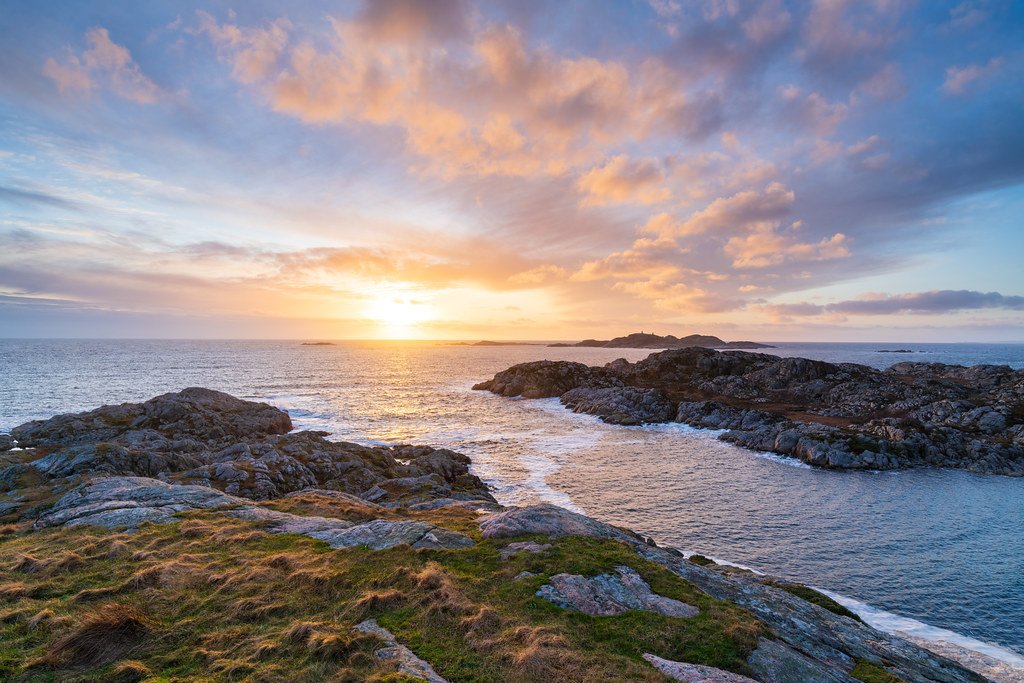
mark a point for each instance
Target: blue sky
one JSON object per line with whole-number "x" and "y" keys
{"x": 769, "y": 170}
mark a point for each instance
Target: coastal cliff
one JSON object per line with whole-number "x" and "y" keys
{"x": 840, "y": 416}
{"x": 197, "y": 537}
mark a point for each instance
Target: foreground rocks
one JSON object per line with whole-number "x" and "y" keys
{"x": 244, "y": 448}
{"x": 841, "y": 416}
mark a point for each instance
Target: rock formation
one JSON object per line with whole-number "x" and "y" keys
{"x": 842, "y": 416}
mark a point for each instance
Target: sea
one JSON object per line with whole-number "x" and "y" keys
{"x": 935, "y": 554}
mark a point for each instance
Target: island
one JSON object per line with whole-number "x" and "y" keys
{"x": 644, "y": 340}
{"x": 318, "y": 344}
{"x": 197, "y": 536}
{"x": 839, "y": 416}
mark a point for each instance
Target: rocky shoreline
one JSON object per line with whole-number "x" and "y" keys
{"x": 199, "y": 498}
{"x": 837, "y": 416}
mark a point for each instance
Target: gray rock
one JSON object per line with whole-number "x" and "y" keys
{"x": 408, "y": 663}
{"x": 694, "y": 673}
{"x": 774, "y": 662}
{"x": 513, "y": 549}
{"x": 611, "y": 594}
{"x": 6, "y": 442}
{"x": 127, "y": 502}
{"x": 550, "y": 520}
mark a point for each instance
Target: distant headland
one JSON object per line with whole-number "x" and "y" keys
{"x": 644, "y": 340}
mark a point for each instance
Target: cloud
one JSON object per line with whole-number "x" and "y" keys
{"x": 933, "y": 302}
{"x": 413, "y": 20}
{"x": 959, "y": 79}
{"x": 742, "y": 211}
{"x": 768, "y": 247}
{"x": 105, "y": 61}
{"x": 252, "y": 52}
{"x": 624, "y": 181}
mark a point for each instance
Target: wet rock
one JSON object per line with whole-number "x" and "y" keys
{"x": 513, "y": 549}
{"x": 610, "y": 594}
{"x": 694, "y": 673}
{"x": 202, "y": 413}
{"x": 6, "y": 442}
{"x": 620, "y": 405}
{"x": 775, "y": 662}
{"x": 550, "y": 520}
{"x": 408, "y": 663}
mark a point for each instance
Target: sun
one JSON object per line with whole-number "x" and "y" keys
{"x": 399, "y": 313}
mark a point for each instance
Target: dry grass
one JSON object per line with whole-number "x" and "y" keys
{"x": 103, "y": 636}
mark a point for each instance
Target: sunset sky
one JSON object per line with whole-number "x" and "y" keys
{"x": 831, "y": 170}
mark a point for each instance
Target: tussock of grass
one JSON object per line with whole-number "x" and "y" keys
{"x": 103, "y": 636}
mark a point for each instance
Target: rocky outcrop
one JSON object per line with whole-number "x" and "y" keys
{"x": 243, "y": 448}
{"x": 841, "y": 416}
{"x": 610, "y": 594}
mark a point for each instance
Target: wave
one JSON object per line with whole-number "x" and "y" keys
{"x": 906, "y": 626}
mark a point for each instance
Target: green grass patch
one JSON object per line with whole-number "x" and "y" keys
{"x": 813, "y": 596}
{"x": 873, "y": 673}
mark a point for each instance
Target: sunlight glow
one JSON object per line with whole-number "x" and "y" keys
{"x": 399, "y": 313}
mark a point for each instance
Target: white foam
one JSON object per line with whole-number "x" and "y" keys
{"x": 781, "y": 459}
{"x": 899, "y": 625}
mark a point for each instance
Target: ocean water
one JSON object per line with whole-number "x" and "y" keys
{"x": 936, "y": 553}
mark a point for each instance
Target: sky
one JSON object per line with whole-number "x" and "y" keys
{"x": 826, "y": 170}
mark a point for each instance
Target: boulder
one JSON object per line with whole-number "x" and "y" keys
{"x": 513, "y": 549}
{"x": 550, "y": 520}
{"x": 694, "y": 673}
{"x": 610, "y": 594}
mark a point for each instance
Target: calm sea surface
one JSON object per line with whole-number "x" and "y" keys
{"x": 921, "y": 551}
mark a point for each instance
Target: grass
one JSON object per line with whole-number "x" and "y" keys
{"x": 213, "y": 598}
{"x": 873, "y": 673}
{"x": 813, "y": 596}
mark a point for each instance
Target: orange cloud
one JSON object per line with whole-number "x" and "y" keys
{"x": 622, "y": 181}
